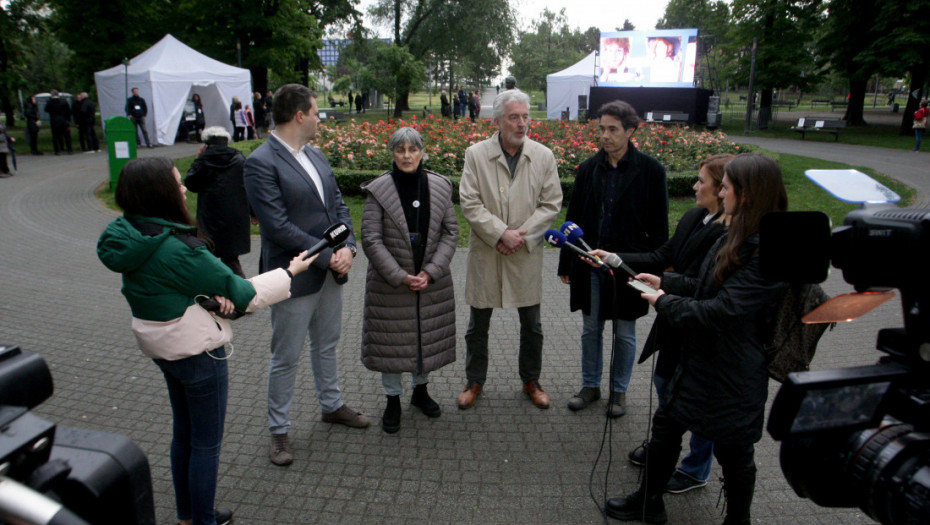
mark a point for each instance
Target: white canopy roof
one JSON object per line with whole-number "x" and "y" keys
{"x": 167, "y": 74}
{"x": 563, "y": 88}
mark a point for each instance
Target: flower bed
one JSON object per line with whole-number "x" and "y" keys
{"x": 362, "y": 146}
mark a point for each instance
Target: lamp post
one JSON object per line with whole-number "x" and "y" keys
{"x": 126, "y": 75}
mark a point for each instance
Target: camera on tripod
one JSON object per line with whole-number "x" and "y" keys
{"x": 859, "y": 436}
{"x": 59, "y": 475}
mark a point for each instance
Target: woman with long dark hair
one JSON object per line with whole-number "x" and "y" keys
{"x": 166, "y": 271}
{"x": 719, "y": 388}
{"x": 697, "y": 231}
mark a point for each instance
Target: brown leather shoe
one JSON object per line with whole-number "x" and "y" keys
{"x": 281, "y": 454}
{"x": 536, "y": 393}
{"x": 348, "y": 417}
{"x": 469, "y": 395}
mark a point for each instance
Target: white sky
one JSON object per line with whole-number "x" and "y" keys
{"x": 607, "y": 15}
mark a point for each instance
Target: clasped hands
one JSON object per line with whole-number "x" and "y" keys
{"x": 511, "y": 241}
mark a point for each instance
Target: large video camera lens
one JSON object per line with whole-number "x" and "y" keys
{"x": 885, "y": 471}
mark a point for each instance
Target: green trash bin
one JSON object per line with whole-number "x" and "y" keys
{"x": 120, "y": 134}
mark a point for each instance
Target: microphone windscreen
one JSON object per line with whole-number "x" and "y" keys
{"x": 572, "y": 231}
{"x": 555, "y": 238}
{"x": 336, "y": 234}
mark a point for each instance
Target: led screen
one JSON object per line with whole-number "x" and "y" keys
{"x": 659, "y": 58}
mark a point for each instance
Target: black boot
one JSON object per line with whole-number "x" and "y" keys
{"x": 421, "y": 400}
{"x": 390, "y": 421}
{"x": 635, "y": 507}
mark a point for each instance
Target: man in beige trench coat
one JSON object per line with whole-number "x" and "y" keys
{"x": 509, "y": 194}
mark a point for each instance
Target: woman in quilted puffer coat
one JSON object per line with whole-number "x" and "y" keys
{"x": 409, "y": 234}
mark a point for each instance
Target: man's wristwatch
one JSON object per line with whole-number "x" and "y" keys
{"x": 352, "y": 249}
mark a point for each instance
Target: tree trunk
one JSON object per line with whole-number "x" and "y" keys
{"x": 259, "y": 79}
{"x": 854, "y": 109}
{"x": 918, "y": 76}
{"x": 765, "y": 108}
{"x": 402, "y": 103}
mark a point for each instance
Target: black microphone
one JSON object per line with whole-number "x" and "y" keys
{"x": 332, "y": 237}
{"x": 574, "y": 234}
{"x": 557, "y": 239}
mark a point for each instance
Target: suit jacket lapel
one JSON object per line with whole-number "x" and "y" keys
{"x": 296, "y": 167}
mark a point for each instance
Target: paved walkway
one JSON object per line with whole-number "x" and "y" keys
{"x": 502, "y": 462}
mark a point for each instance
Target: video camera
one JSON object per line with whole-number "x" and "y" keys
{"x": 58, "y": 475}
{"x": 859, "y": 436}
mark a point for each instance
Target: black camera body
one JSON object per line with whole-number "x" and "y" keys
{"x": 51, "y": 474}
{"x": 860, "y": 436}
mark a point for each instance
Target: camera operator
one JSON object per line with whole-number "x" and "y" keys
{"x": 165, "y": 269}
{"x": 222, "y": 205}
{"x": 720, "y": 386}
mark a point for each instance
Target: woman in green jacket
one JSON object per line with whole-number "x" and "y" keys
{"x": 166, "y": 270}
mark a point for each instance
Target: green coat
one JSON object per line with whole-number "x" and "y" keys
{"x": 162, "y": 274}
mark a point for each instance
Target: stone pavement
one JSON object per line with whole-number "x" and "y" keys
{"x": 503, "y": 461}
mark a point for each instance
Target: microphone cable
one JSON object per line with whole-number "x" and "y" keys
{"x": 607, "y": 433}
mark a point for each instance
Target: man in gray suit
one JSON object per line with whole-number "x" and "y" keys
{"x": 293, "y": 192}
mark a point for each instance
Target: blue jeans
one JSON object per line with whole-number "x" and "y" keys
{"x": 198, "y": 387}
{"x": 592, "y": 344}
{"x": 919, "y": 135}
{"x": 700, "y": 457}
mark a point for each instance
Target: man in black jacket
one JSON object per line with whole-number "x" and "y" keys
{"x": 60, "y": 116}
{"x": 31, "y": 114}
{"x": 137, "y": 110}
{"x": 620, "y": 201}
{"x": 83, "y": 111}
{"x": 222, "y": 206}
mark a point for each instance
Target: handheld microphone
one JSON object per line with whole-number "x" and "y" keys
{"x": 614, "y": 261}
{"x": 332, "y": 237}
{"x": 557, "y": 239}
{"x": 574, "y": 233}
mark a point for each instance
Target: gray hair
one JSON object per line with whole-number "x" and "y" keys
{"x": 405, "y": 136}
{"x": 506, "y": 97}
{"x": 214, "y": 132}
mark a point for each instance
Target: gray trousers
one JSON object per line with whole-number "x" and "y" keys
{"x": 320, "y": 316}
{"x": 476, "y": 344}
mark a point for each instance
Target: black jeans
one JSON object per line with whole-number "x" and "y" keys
{"x": 476, "y": 344}
{"x": 736, "y": 461}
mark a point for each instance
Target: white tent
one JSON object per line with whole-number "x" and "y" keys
{"x": 167, "y": 74}
{"x": 563, "y": 88}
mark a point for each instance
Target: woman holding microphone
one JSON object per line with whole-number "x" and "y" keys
{"x": 167, "y": 270}
{"x": 719, "y": 388}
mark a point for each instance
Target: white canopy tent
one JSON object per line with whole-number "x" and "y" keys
{"x": 563, "y": 88}
{"x": 167, "y": 74}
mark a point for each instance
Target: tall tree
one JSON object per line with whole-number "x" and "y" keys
{"x": 548, "y": 47}
{"x": 886, "y": 37}
{"x": 450, "y": 31}
{"x": 20, "y": 23}
{"x": 783, "y": 29}
{"x": 393, "y": 70}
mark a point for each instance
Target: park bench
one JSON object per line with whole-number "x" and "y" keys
{"x": 667, "y": 117}
{"x": 337, "y": 116}
{"x": 819, "y": 125}
{"x": 834, "y": 105}
{"x": 818, "y": 101}
{"x": 333, "y": 102}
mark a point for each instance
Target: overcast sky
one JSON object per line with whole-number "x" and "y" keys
{"x": 607, "y": 15}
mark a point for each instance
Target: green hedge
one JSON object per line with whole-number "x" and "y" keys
{"x": 350, "y": 183}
